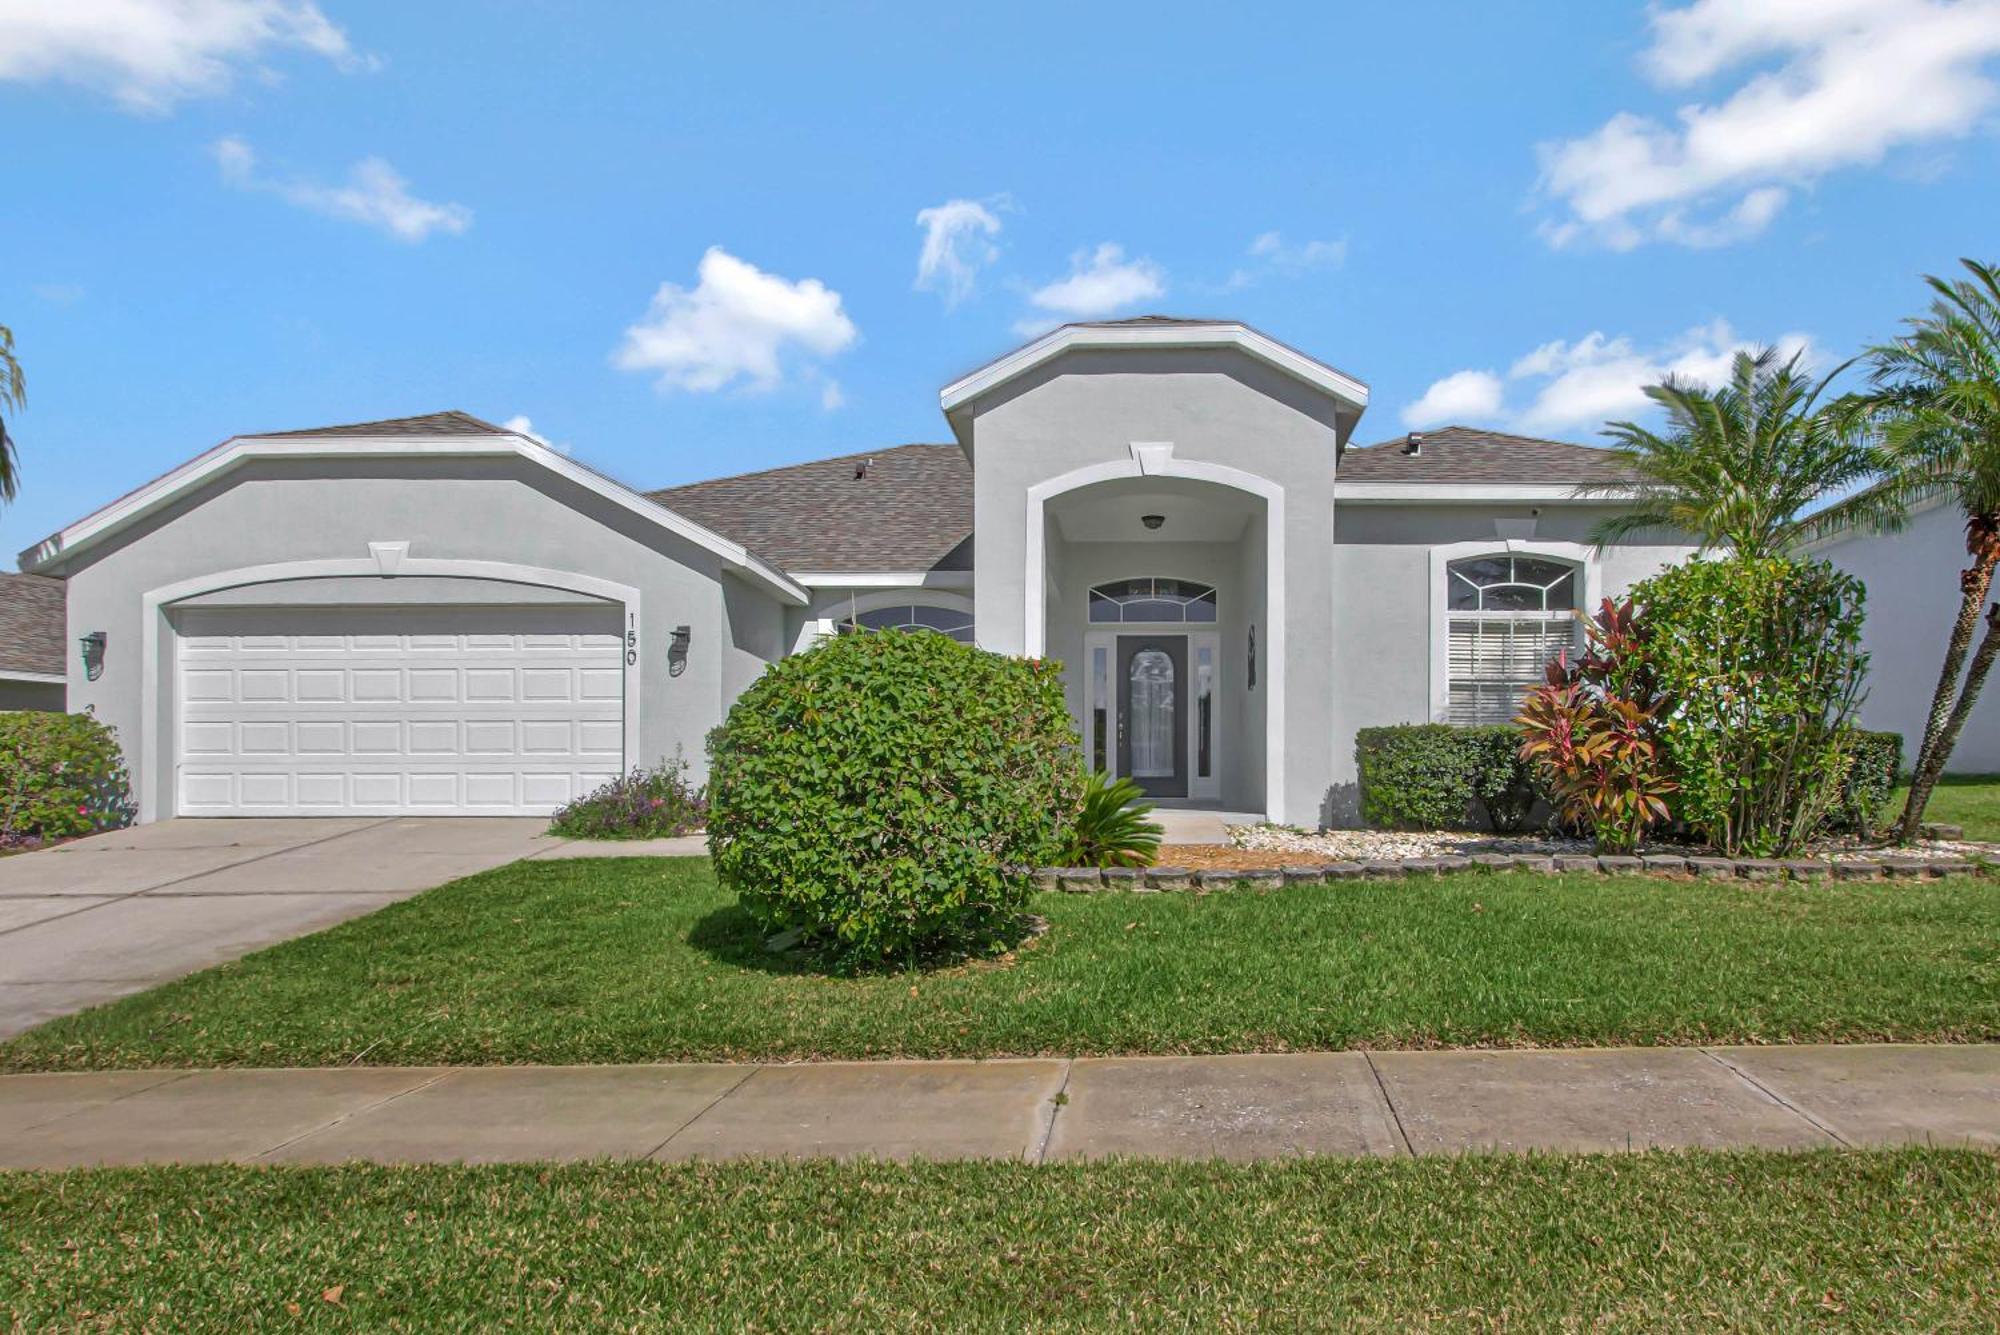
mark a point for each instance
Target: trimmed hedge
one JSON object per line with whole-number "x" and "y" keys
{"x": 882, "y": 795}
{"x": 1430, "y": 776}
{"x": 61, "y": 776}
{"x": 1864, "y": 797}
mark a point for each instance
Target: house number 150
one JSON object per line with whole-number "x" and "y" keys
{"x": 631, "y": 640}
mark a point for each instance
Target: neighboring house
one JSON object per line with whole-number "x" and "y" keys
{"x": 1913, "y": 598}
{"x": 31, "y": 643}
{"x": 434, "y": 614}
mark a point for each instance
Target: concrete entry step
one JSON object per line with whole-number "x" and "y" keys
{"x": 1037, "y": 1109}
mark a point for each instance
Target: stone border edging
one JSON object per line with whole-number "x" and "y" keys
{"x": 1086, "y": 880}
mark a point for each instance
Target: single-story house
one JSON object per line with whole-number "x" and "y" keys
{"x": 31, "y": 643}
{"x": 436, "y": 615}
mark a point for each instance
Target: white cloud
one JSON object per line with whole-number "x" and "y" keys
{"x": 958, "y": 243}
{"x": 1579, "y": 385}
{"x": 831, "y": 397}
{"x": 1462, "y": 396}
{"x": 1295, "y": 257}
{"x": 374, "y": 194}
{"x": 1101, "y": 282}
{"x": 150, "y": 54}
{"x": 1270, "y": 253}
{"x": 738, "y": 323}
{"x": 522, "y": 425}
{"x": 1827, "y": 84}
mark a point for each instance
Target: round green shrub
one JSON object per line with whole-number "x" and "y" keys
{"x": 883, "y": 795}
{"x": 61, "y": 776}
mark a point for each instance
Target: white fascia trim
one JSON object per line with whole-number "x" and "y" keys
{"x": 1472, "y": 493}
{"x": 35, "y": 678}
{"x": 154, "y": 620}
{"x": 136, "y": 505}
{"x": 1155, "y": 459}
{"x": 1580, "y": 554}
{"x": 1053, "y": 344}
{"x": 886, "y": 579}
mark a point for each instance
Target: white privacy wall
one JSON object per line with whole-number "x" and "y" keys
{"x": 1912, "y": 580}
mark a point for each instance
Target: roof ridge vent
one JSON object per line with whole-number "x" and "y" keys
{"x": 1413, "y": 445}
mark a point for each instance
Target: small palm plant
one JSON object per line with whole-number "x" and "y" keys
{"x": 1935, "y": 398}
{"x": 13, "y": 398}
{"x": 1112, "y": 829}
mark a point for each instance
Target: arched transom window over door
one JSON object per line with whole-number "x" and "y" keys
{"x": 1506, "y": 617}
{"x": 1152, "y": 600}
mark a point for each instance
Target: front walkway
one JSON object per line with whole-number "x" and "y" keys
{"x": 1240, "y": 1107}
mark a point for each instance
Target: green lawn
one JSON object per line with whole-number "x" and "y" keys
{"x": 1971, "y": 800}
{"x": 1905, "y": 1240}
{"x": 649, "y": 960}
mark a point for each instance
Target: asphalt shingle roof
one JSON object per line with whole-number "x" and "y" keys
{"x": 451, "y": 423}
{"x": 33, "y": 624}
{"x": 1467, "y": 454}
{"x": 910, "y": 508}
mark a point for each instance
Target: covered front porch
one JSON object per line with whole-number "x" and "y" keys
{"x": 1155, "y": 597}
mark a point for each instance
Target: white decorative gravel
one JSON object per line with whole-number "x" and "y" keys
{"x": 1361, "y": 845}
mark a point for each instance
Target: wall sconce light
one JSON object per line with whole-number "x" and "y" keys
{"x": 92, "y": 646}
{"x": 677, "y": 652}
{"x": 1152, "y": 521}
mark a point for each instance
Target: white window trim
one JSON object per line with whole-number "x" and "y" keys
{"x": 1580, "y": 554}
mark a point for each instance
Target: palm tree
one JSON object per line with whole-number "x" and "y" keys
{"x": 1935, "y": 399}
{"x": 1735, "y": 465}
{"x": 13, "y": 397}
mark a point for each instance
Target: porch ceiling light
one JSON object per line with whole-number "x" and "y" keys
{"x": 1152, "y": 521}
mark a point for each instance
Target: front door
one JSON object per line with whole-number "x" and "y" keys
{"x": 1152, "y": 713}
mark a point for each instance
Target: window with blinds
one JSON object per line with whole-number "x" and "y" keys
{"x": 1507, "y": 616}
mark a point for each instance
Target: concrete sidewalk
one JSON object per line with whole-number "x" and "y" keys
{"x": 1232, "y": 1107}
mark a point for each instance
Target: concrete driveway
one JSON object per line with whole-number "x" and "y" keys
{"x": 121, "y": 912}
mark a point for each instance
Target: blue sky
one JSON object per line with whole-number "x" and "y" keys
{"x": 686, "y": 241}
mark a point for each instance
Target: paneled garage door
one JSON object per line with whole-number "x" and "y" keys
{"x": 419, "y": 710}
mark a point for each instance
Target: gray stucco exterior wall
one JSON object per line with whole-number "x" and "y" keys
{"x": 506, "y": 510}
{"x": 1912, "y": 580}
{"x": 1216, "y": 407}
{"x": 1384, "y": 603}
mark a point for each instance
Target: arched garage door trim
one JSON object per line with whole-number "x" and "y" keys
{"x": 156, "y": 774}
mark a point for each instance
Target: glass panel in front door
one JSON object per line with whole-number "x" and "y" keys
{"x": 1151, "y": 702}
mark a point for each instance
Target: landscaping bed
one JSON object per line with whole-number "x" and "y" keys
{"x": 1906, "y": 1239}
{"x": 648, "y": 959}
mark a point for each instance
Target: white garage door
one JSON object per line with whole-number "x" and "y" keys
{"x": 412, "y": 710}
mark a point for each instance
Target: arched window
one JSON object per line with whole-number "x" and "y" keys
{"x": 1507, "y": 616}
{"x": 912, "y": 616}
{"x": 1152, "y": 600}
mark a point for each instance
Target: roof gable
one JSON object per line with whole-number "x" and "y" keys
{"x": 1154, "y": 331}
{"x": 363, "y": 440}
